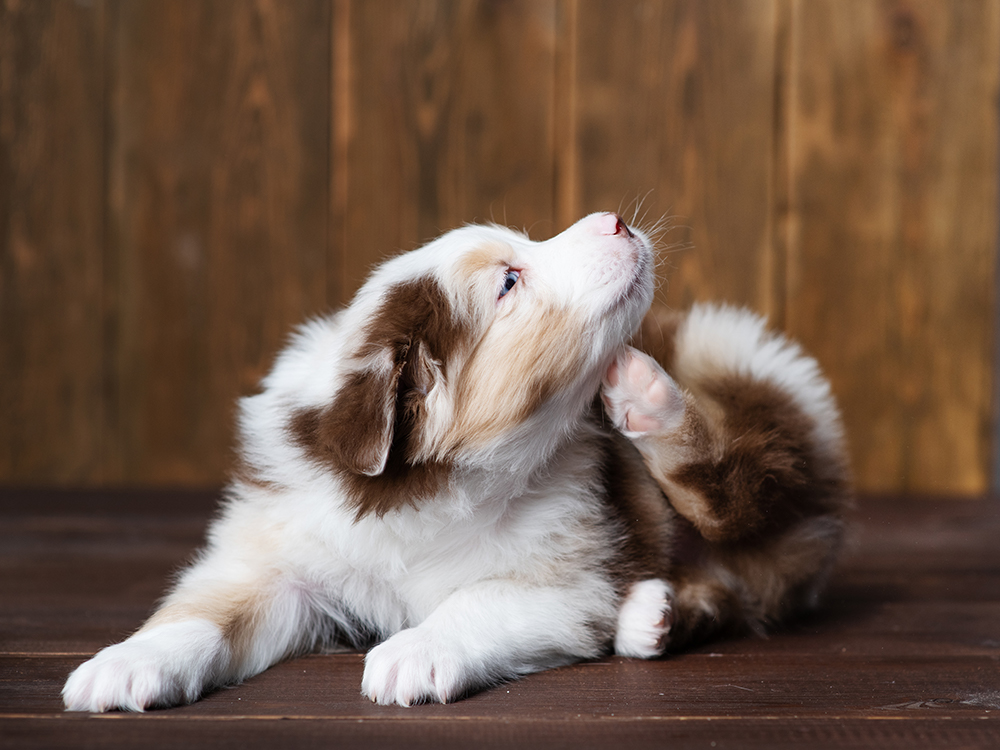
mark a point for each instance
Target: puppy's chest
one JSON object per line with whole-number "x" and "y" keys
{"x": 418, "y": 557}
{"x": 520, "y": 540}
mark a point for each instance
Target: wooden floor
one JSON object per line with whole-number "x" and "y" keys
{"x": 905, "y": 653}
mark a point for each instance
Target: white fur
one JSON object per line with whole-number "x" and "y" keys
{"x": 716, "y": 340}
{"x": 165, "y": 665}
{"x": 644, "y": 620}
{"x": 502, "y": 573}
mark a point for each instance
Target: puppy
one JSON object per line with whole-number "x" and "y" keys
{"x": 429, "y": 470}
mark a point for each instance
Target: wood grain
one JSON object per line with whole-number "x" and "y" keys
{"x": 52, "y": 285}
{"x": 450, "y": 121}
{"x": 678, "y": 99}
{"x": 219, "y": 194}
{"x": 903, "y": 652}
{"x": 181, "y": 183}
{"x": 930, "y": 730}
{"x": 892, "y": 276}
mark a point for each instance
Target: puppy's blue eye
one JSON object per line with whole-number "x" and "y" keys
{"x": 508, "y": 281}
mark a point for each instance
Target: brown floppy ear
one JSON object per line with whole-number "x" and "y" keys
{"x": 355, "y": 432}
{"x": 421, "y": 373}
{"x": 371, "y": 427}
{"x": 367, "y": 417}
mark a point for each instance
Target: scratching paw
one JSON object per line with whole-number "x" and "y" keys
{"x": 639, "y": 395}
{"x": 644, "y": 620}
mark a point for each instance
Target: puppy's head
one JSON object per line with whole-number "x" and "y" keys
{"x": 479, "y": 350}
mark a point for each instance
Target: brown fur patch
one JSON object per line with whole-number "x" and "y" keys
{"x": 400, "y": 483}
{"x": 768, "y": 475}
{"x": 637, "y": 506}
{"x": 355, "y": 431}
{"x": 237, "y": 614}
{"x": 781, "y": 575}
{"x": 411, "y": 311}
{"x": 379, "y": 410}
{"x": 703, "y": 607}
{"x": 734, "y": 588}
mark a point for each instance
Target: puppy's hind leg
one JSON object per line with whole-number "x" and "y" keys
{"x": 667, "y": 425}
{"x": 745, "y": 441}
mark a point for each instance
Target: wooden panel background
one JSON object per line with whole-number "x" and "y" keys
{"x": 181, "y": 181}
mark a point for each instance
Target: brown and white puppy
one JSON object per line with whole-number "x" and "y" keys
{"x": 428, "y": 469}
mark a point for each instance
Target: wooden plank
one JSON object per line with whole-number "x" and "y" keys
{"x": 79, "y": 570}
{"x": 891, "y": 278}
{"x": 105, "y": 502}
{"x": 694, "y": 686}
{"x": 930, "y": 730}
{"x": 220, "y": 203}
{"x": 903, "y": 654}
{"x": 449, "y": 119}
{"x": 677, "y": 98}
{"x": 52, "y": 91}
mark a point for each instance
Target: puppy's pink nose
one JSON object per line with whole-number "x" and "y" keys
{"x": 612, "y": 224}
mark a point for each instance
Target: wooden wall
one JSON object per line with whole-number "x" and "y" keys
{"x": 181, "y": 181}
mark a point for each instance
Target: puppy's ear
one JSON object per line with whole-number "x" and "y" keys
{"x": 355, "y": 432}
{"x": 375, "y": 424}
{"x": 376, "y": 410}
{"x": 367, "y": 419}
{"x": 421, "y": 374}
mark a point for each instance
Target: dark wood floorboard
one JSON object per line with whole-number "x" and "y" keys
{"x": 904, "y": 653}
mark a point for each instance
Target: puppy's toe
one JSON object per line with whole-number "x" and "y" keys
{"x": 639, "y": 395}
{"x": 166, "y": 665}
{"x": 410, "y": 668}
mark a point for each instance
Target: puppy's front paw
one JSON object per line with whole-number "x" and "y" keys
{"x": 410, "y": 668}
{"x": 165, "y": 666}
{"x": 644, "y": 620}
{"x": 639, "y": 395}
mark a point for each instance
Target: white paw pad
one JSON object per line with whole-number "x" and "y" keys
{"x": 639, "y": 395}
{"x": 644, "y": 620}
{"x": 411, "y": 668}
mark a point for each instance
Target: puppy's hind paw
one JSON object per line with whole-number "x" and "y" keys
{"x": 644, "y": 620}
{"x": 639, "y": 395}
